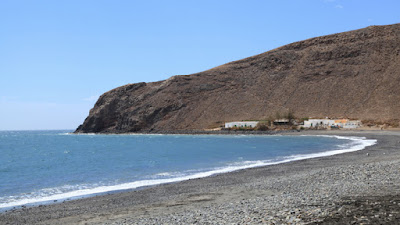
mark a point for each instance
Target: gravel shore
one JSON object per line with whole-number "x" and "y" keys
{"x": 360, "y": 187}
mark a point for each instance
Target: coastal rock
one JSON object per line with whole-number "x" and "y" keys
{"x": 353, "y": 74}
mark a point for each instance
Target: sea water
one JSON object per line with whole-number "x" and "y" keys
{"x": 44, "y": 166}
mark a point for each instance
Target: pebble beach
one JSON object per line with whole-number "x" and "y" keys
{"x": 360, "y": 187}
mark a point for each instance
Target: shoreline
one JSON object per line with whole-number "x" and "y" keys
{"x": 198, "y": 132}
{"x": 197, "y": 195}
{"x": 357, "y": 145}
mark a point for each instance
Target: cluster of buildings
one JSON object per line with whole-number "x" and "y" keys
{"x": 311, "y": 123}
{"x": 332, "y": 123}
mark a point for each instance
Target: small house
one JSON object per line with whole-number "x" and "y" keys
{"x": 243, "y": 124}
{"x": 318, "y": 123}
{"x": 281, "y": 122}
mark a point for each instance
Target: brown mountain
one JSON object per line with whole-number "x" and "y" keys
{"x": 354, "y": 74}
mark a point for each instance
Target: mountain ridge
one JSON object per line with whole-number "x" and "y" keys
{"x": 354, "y": 74}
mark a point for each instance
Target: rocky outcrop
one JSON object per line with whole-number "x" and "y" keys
{"x": 354, "y": 74}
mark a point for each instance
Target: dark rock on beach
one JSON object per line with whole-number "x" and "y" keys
{"x": 364, "y": 210}
{"x": 353, "y": 74}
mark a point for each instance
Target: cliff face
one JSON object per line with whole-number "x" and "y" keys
{"x": 354, "y": 74}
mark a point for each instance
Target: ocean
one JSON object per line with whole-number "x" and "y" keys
{"x": 38, "y": 167}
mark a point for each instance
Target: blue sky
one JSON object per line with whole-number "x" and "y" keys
{"x": 57, "y": 57}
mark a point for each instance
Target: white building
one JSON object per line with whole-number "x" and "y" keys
{"x": 318, "y": 123}
{"x": 351, "y": 124}
{"x": 325, "y": 123}
{"x": 244, "y": 124}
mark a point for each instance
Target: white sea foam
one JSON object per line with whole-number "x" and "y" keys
{"x": 358, "y": 143}
{"x": 168, "y": 174}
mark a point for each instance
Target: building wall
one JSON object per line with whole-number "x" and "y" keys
{"x": 343, "y": 123}
{"x": 246, "y": 124}
{"x": 351, "y": 124}
{"x": 318, "y": 123}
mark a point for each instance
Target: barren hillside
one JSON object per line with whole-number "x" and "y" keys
{"x": 354, "y": 74}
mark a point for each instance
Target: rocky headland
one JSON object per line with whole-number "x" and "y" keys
{"x": 353, "y": 74}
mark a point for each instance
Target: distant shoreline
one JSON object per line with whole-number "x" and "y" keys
{"x": 243, "y": 132}
{"x": 205, "y": 132}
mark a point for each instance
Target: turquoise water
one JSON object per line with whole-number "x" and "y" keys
{"x": 41, "y": 166}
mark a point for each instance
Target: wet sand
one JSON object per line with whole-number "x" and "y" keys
{"x": 348, "y": 188}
